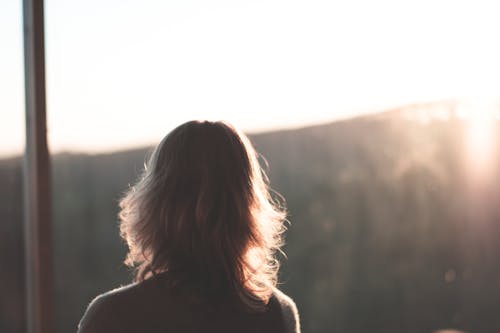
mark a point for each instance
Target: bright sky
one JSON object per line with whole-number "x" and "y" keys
{"x": 123, "y": 73}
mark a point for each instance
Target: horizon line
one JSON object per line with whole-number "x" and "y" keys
{"x": 293, "y": 127}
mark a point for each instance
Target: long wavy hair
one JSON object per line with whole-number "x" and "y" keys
{"x": 203, "y": 214}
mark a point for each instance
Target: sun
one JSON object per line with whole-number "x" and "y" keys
{"x": 480, "y": 141}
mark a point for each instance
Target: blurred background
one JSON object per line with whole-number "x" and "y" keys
{"x": 379, "y": 120}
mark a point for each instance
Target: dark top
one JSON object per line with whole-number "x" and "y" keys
{"x": 149, "y": 307}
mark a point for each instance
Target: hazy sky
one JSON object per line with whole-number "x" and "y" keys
{"x": 123, "y": 73}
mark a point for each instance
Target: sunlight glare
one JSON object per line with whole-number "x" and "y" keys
{"x": 480, "y": 141}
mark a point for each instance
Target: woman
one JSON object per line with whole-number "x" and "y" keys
{"x": 202, "y": 231}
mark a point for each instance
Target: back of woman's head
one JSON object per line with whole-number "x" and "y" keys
{"x": 202, "y": 213}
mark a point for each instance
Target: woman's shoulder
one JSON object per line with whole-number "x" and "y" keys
{"x": 100, "y": 314}
{"x": 288, "y": 309}
{"x": 106, "y": 311}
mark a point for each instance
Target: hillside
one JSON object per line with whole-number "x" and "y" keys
{"x": 386, "y": 233}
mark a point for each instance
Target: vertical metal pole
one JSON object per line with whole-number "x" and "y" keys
{"x": 37, "y": 193}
